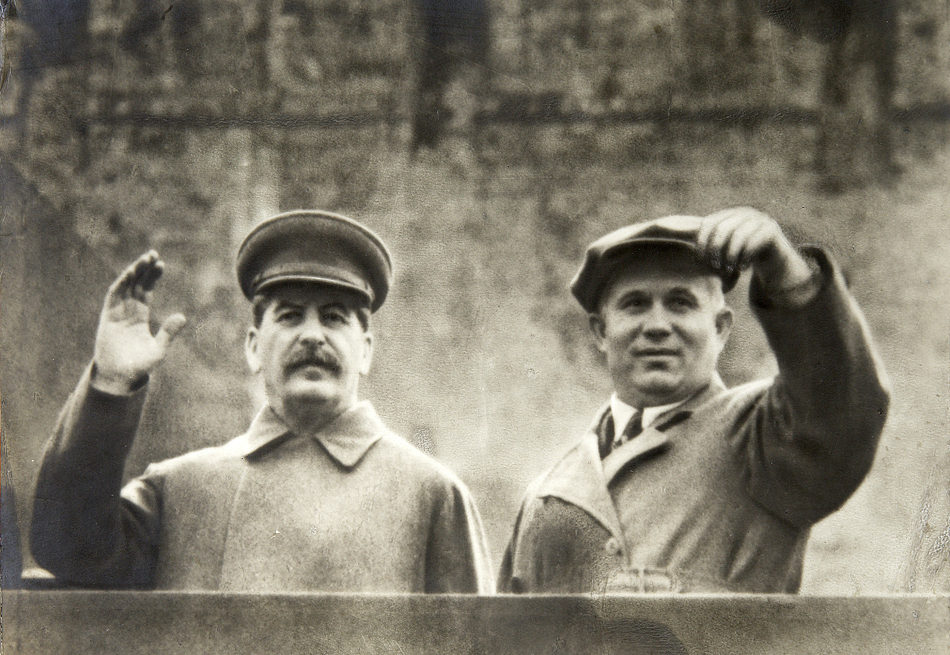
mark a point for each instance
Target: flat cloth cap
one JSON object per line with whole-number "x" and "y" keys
{"x": 318, "y": 247}
{"x": 604, "y": 255}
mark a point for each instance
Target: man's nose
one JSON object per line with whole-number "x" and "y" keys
{"x": 656, "y": 322}
{"x": 311, "y": 329}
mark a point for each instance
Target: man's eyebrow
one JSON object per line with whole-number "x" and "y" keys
{"x": 335, "y": 305}
{"x": 283, "y": 303}
{"x": 632, "y": 293}
{"x": 683, "y": 291}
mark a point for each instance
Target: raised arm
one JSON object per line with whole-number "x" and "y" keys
{"x": 812, "y": 438}
{"x": 82, "y": 531}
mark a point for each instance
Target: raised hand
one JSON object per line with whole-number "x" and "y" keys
{"x": 735, "y": 239}
{"x": 126, "y": 350}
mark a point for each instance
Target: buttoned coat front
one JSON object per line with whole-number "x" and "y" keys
{"x": 354, "y": 508}
{"x": 719, "y": 493}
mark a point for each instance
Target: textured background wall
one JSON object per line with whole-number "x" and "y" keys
{"x": 130, "y": 125}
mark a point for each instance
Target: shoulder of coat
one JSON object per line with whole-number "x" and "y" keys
{"x": 214, "y": 457}
{"x": 738, "y": 397}
{"x": 414, "y": 459}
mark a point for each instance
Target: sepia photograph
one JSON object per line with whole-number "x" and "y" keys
{"x": 477, "y": 326}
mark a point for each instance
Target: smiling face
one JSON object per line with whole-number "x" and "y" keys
{"x": 661, "y": 323}
{"x": 310, "y": 348}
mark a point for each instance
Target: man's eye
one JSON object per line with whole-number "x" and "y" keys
{"x": 636, "y": 303}
{"x": 334, "y": 318}
{"x": 288, "y": 316}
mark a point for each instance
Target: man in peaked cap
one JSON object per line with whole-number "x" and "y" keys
{"x": 683, "y": 485}
{"x": 317, "y": 495}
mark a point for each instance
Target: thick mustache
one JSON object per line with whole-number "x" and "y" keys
{"x": 301, "y": 358}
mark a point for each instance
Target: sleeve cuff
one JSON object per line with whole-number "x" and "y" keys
{"x": 800, "y": 295}
{"x": 137, "y": 386}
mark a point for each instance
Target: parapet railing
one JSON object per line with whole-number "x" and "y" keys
{"x": 132, "y": 622}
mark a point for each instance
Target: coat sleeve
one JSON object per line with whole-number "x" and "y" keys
{"x": 457, "y": 558}
{"x": 520, "y": 564}
{"x": 83, "y": 530}
{"x": 811, "y": 438}
{"x": 511, "y": 581}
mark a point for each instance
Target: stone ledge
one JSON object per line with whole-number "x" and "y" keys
{"x": 52, "y": 622}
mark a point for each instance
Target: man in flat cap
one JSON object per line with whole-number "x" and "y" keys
{"x": 681, "y": 484}
{"x": 317, "y": 495}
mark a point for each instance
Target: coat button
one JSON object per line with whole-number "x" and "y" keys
{"x": 612, "y": 546}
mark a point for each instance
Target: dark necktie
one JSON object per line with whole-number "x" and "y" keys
{"x": 633, "y": 429}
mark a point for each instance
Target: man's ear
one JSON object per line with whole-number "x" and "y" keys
{"x": 599, "y": 329}
{"x": 367, "y": 353}
{"x": 250, "y": 350}
{"x": 724, "y": 320}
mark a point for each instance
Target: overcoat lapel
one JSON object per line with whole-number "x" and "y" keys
{"x": 662, "y": 434}
{"x": 649, "y": 441}
{"x": 346, "y": 439}
{"x": 578, "y": 479}
{"x": 581, "y": 478}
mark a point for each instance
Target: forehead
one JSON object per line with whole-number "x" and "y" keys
{"x": 314, "y": 294}
{"x": 657, "y": 270}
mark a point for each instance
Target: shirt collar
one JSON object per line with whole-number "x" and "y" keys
{"x": 622, "y": 412}
{"x": 581, "y": 477}
{"x": 347, "y": 438}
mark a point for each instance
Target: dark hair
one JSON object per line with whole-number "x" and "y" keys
{"x": 263, "y": 299}
{"x": 259, "y": 305}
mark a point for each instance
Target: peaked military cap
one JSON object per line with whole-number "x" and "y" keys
{"x": 605, "y": 254}
{"x": 318, "y": 247}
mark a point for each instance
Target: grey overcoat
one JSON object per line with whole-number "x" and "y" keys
{"x": 719, "y": 493}
{"x": 355, "y": 508}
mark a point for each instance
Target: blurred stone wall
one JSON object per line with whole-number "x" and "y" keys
{"x": 180, "y": 126}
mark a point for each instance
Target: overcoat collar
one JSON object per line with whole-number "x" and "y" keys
{"x": 582, "y": 479}
{"x": 579, "y": 480}
{"x": 346, "y": 439}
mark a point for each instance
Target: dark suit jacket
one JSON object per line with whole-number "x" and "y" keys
{"x": 720, "y": 492}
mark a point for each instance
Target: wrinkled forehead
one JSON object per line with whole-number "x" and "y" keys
{"x": 657, "y": 269}
{"x": 307, "y": 294}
